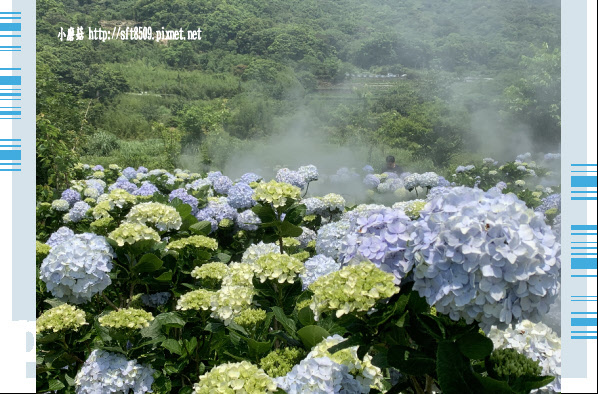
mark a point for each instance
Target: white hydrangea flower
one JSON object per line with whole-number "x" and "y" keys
{"x": 163, "y": 217}
{"x": 255, "y": 251}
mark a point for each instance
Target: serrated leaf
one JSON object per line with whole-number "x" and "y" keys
{"x": 312, "y": 335}
{"x": 171, "y": 319}
{"x": 164, "y": 277}
{"x": 184, "y": 209}
{"x": 55, "y": 385}
{"x": 288, "y": 229}
{"x": 306, "y": 316}
{"x": 148, "y": 263}
{"x": 173, "y": 346}
{"x": 201, "y": 228}
{"x": 287, "y": 323}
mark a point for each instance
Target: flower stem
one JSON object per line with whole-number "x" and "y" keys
{"x": 109, "y": 302}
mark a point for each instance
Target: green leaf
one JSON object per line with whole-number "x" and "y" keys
{"x": 288, "y": 229}
{"x": 493, "y": 386}
{"x": 164, "y": 277}
{"x": 152, "y": 331}
{"x": 171, "y": 319}
{"x": 265, "y": 213}
{"x": 184, "y": 210}
{"x": 224, "y": 258}
{"x": 306, "y": 316}
{"x": 287, "y": 323}
{"x": 312, "y": 335}
{"x": 410, "y": 361}
{"x": 148, "y": 263}
{"x": 202, "y": 228}
{"x": 475, "y": 346}
{"x": 55, "y": 385}
{"x": 453, "y": 371}
{"x": 355, "y": 340}
{"x": 403, "y": 319}
{"x": 433, "y": 326}
{"x": 53, "y": 302}
{"x": 70, "y": 381}
{"x": 191, "y": 344}
{"x": 295, "y": 214}
{"x": 173, "y": 346}
{"x": 258, "y": 349}
{"x": 525, "y": 384}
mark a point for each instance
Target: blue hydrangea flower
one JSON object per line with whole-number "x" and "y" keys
{"x": 249, "y": 178}
{"x": 182, "y": 195}
{"x": 198, "y": 184}
{"x": 142, "y": 170}
{"x": 552, "y": 156}
{"x": 59, "y": 236}
{"x": 390, "y": 185}
{"x": 76, "y": 270}
{"x": 222, "y": 184}
{"x": 313, "y": 205}
{"x": 318, "y": 266}
{"x": 291, "y": 177}
{"x": 380, "y": 236}
{"x": 248, "y": 220}
{"x": 485, "y": 257}
{"x": 146, "y": 189}
{"x": 71, "y": 196}
{"x": 216, "y": 210}
{"x": 309, "y": 173}
{"x": 368, "y": 169}
{"x": 123, "y": 184}
{"x": 78, "y": 211}
{"x": 98, "y": 168}
{"x": 105, "y": 372}
{"x": 556, "y": 227}
{"x": 97, "y": 184}
{"x": 371, "y": 181}
{"x": 330, "y": 236}
{"x": 156, "y": 299}
{"x": 129, "y": 173}
{"x": 213, "y": 175}
{"x": 306, "y": 236}
{"x": 550, "y": 202}
{"x": 240, "y": 196}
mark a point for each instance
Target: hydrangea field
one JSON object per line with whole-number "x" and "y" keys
{"x": 157, "y": 281}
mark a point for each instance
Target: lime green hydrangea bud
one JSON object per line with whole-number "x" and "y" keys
{"x": 302, "y": 304}
{"x": 198, "y": 300}
{"x": 98, "y": 175}
{"x": 301, "y": 256}
{"x": 122, "y": 198}
{"x": 114, "y": 167}
{"x": 129, "y": 233}
{"x": 411, "y": 208}
{"x": 281, "y": 361}
{"x": 41, "y": 251}
{"x": 210, "y": 271}
{"x": 276, "y": 193}
{"x": 242, "y": 377}
{"x": 102, "y": 209}
{"x": 279, "y": 267}
{"x": 226, "y": 223}
{"x": 311, "y": 244}
{"x": 309, "y": 218}
{"x": 127, "y": 318}
{"x": 195, "y": 241}
{"x": 290, "y": 242}
{"x": 230, "y": 301}
{"x": 551, "y": 214}
{"x": 355, "y": 288}
{"x": 508, "y": 364}
{"x": 250, "y": 317}
{"x": 135, "y": 301}
{"x": 162, "y": 217}
{"x": 61, "y": 318}
{"x": 239, "y": 274}
{"x": 102, "y": 224}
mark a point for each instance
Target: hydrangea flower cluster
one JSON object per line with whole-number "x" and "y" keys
{"x": 239, "y": 274}
{"x": 316, "y": 267}
{"x": 77, "y": 212}
{"x": 240, "y": 196}
{"x": 461, "y": 169}
{"x": 127, "y": 318}
{"x": 380, "y": 236}
{"x": 129, "y": 233}
{"x": 186, "y": 198}
{"x": 230, "y": 301}
{"x": 76, "y": 270}
{"x": 344, "y": 175}
{"x": 248, "y": 220}
{"x": 390, "y": 185}
{"x": 217, "y": 210}
{"x": 553, "y": 201}
{"x": 276, "y": 193}
{"x": 249, "y": 178}
{"x": 319, "y": 375}
{"x": 64, "y": 317}
{"x": 426, "y": 180}
{"x": 129, "y": 173}
{"x": 60, "y": 205}
{"x": 309, "y": 173}
{"x": 59, "y": 236}
{"x": 411, "y": 208}
{"x": 295, "y": 178}
{"x": 195, "y": 241}
{"x": 355, "y": 288}
{"x": 155, "y": 300}
{"x": 371, "y": 181}
{"x": 552, "y": 156}
{"x": 222, "y": 184}
{"x": 241, "y": 377}
{"x": 368, "y": 169}
{"x": 308, "y": 235}
{"x": 146, "y": 189}
{"x": 162, "y": 217}
{"x": 536, "y": 341}
{"x": 365, "y": 373}
{"x": 210, "y": 271}
{"x": 41, "y": 251}
{"x": 71, "y": 196}
{"x": 280, "y": 267}
{"x": 198, "y": 184}
{"x": 105, "y": 372}
{"x": 313, "y": 205}
{"x": 255, "y": 251}
{"x": 485, "y": 256}
{"x": 198, "y": 300}
{"x": 123, "y": 184}
{"x": 250, "y": 317}
{"x": 330, "y": 237}
{"x": 280, "y": 361}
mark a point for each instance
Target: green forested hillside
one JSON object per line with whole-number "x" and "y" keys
{"x": 427, "y": 80}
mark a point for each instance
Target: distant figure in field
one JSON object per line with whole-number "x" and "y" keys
{"x": 391, "y": 166}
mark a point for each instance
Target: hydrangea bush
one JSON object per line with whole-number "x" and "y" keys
{"x": 179, "y": 282}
